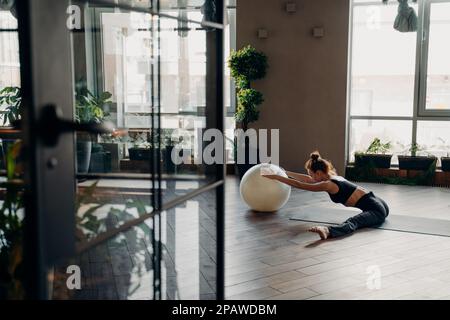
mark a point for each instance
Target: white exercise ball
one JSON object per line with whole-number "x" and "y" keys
{"x": 264, "y": 194}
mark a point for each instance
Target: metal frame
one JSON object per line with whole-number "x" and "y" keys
{"x": 33, "y": 13}
{"x": 220, "y": 168}
{"x": 45, "y": 55}
{"x": 419, "y": 113}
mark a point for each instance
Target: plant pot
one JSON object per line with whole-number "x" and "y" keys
{"x": 415, "y": 162}
{"x": 445, "y": 164}
{"x": 242, "y": 168}
{"x": 169, "y": 166}
{"x": 140, "y": 153}
{"x": 117, "y": 153}
{"x": 84, "y": 149}
{"x": 376, "y": 160}
{"x": 100, "y": 159}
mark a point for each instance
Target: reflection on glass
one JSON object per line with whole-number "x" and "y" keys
{"x": 120, "y": 268}
{"x": 362, "y": 133}
{"x": 187, "y": 78}
{"x": 438, "y": 70}
{"x": 189, "y": 249}
{"x": 230, "y": 91}
{"x": 108, "y": 203}
{"x": 126, "y": 68}
{"x": 382, "y": 79}
{"x": 113, "y": 61}
{"x": 195, "y": 10}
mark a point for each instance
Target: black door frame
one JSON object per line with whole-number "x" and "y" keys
{"x": 46, "y": 73}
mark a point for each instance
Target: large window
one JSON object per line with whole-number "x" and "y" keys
{"x": 9, "y": 51}
{"x": 399, "y": 84}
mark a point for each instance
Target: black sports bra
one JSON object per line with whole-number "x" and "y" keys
{"x": 346, "y": 189}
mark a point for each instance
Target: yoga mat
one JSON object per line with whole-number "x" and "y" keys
{"x": 401, "y": 223}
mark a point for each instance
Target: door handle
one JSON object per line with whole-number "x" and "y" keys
{"x": 52, "y": 125}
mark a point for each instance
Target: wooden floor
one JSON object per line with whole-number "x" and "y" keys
{"x": 269, "y": 256}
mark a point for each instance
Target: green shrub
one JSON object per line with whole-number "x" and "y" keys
{"x": 246, "y": 65}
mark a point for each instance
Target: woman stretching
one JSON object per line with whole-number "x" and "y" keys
{"x": 322, "y": 177}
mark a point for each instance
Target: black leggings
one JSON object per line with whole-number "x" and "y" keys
{"x": 375, "y": 211}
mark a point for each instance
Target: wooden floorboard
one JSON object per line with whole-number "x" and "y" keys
{"x": 411, "y": 266}
{"x": 269, "y": 256}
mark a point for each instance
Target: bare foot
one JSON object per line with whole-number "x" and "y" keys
{"x": 322, "y": 231}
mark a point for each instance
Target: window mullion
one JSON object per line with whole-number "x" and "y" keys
{"x": 420, "y": 72}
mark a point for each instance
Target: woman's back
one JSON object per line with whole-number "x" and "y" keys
{"x": 348, "y": 193}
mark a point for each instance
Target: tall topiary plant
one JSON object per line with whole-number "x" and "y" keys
{"x": 246, "y": 65}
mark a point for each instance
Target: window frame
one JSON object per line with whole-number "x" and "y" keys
{"x": 424, "y": 29}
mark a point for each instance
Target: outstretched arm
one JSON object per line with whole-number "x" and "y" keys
{"x": 316, "y": 187}
{"x": 299, "y": 176}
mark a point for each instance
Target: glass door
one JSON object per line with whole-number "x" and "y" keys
{"x": 117, "y": 101}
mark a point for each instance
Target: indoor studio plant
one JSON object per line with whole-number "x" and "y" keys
{"x": 376, "y": 155}
{"x": 10, "y": 104}
{"x": 10, "y": 99}
{"x": 247, "y": 65}
{"x": 89, "y": 108}
{"x": 413, "y": 161}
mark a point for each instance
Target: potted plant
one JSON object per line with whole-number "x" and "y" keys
{"x": 10, "y": 100}
{"x": 414, "y": 161}
{"x": 247, "y": 65}
{"x": 375, "y": 155}
{"x": 445, "y": 160}
{"x": 115, "y": 144}
{"x": 88, "y": 108}
{"x": 141, "y": 149}
{"x": 10, "y": 104}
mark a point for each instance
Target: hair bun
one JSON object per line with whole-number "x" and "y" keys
{"x": 315, "y": 156}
